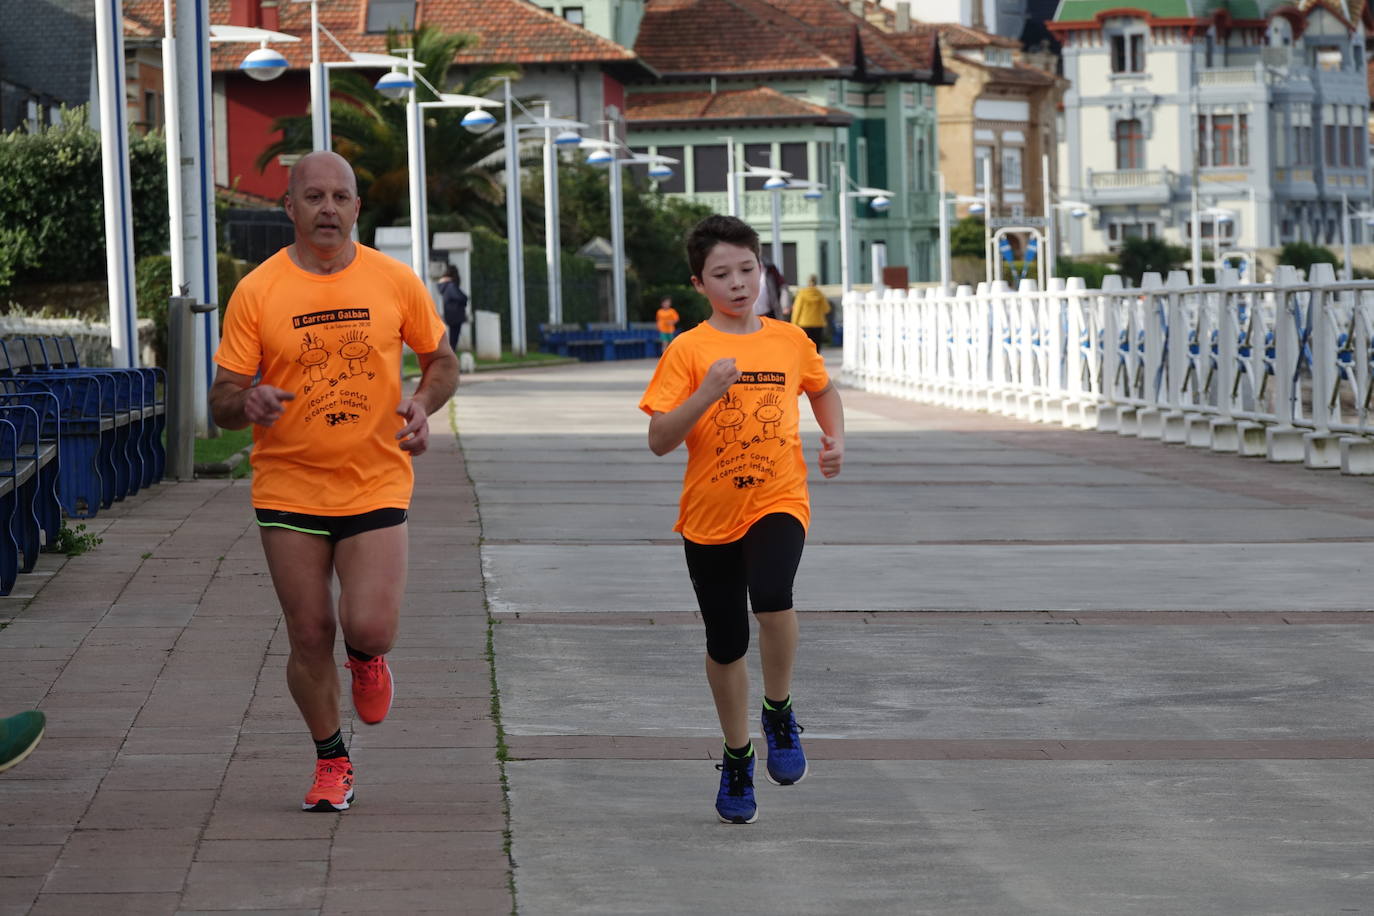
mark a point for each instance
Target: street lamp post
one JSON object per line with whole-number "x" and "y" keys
{"x": 776, "y": 180}
{"x": 878, "y": 199}
{"x": 606, "y": 153}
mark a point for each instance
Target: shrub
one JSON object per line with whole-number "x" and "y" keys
{"x": 1303, "y": 255}
{"x": 50, "y": 184}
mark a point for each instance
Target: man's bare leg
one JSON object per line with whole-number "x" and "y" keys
{"x": 372, "y": 581}
{"x": 301, "y": 566}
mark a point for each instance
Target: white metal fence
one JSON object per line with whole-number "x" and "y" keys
{"x": 1280, "y": 369}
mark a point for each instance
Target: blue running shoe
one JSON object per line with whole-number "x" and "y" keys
{"x": 735, "y": 800}
{"x": 786, "y": 760}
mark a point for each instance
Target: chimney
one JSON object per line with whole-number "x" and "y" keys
{"x": 271, "y": 15}
{"x": 903, "y": 16}
{"x": 977, "y": 20}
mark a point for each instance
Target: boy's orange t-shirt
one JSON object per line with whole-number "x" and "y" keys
{"x": 667, "y": 320}
{"x": 335, "y": 341}
{"x": 744, "y": 456}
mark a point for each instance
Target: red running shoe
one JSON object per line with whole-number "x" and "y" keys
{"x": 333, "y": 788}
{"x": 372, "y": 688}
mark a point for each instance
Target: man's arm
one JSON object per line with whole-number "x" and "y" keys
{"x": 825, "y": 404}
{"x": 235, "y": 401}
{"x": 438, "y": 381}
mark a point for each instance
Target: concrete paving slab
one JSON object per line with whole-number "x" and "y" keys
{"x": 1258, "y": 837}
{"x": 950, "y": 680}
{"x": 1239, "y": 577}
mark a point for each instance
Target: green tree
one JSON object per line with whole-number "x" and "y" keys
{"x": 1141, "y": 256}
{"x": 462, "y": 169}
{"x": 656, "y": 227}
{"x": 52, "y": 204}
{"x": 966, "y": 239}
{"x": 1303, "y": 255}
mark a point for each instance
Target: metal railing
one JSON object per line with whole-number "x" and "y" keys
{"x": 1280, "y": 369}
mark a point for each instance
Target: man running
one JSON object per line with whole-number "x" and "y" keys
{"x": 311, "y": 355}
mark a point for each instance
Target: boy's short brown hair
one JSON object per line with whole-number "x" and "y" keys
{"x": 716, "y": 229}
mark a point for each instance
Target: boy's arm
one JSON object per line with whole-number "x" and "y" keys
{"x": 668, "y": 430}
{"x": 825, "y": 404}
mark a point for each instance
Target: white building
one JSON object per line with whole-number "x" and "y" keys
{"x": 1258, "y": 107}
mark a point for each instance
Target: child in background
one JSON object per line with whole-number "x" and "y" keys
{"x": 667, "y": 318}
{"x": 730, "y": 388}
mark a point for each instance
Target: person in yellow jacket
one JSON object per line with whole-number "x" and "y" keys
{"x": 809, "y": 310}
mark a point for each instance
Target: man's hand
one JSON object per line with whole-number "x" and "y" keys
{"x": 414, "y": 435}
{"x": 720, "y": 377}
{"x": 264, "y": 404}
{"x": 831, "y": 456}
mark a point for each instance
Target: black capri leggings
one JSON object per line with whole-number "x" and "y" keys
{"x": 757, "y": 569}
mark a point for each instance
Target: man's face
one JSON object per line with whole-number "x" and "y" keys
{"x": 323, "y": 203}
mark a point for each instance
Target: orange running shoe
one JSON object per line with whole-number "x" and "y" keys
{"x": 372, "y": 688}
{"x": 333, "y": 788}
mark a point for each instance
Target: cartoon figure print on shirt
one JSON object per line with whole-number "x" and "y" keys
{"x": 749, "y": 441}
{"x": 343, "y": 368}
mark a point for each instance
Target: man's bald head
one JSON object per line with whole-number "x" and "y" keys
{"x": 320, "y": 163}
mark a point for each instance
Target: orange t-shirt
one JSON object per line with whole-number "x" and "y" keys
{"x": 667, "y": 320}
{"x": 335, "y": 341}
{"x": 744, "y": 456}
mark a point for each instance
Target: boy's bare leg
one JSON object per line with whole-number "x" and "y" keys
{"x": 300, "y": 565}
{"x": 777, "y": 650}
{"x": 372, "y": 581}
{"x": 730, "y": 689}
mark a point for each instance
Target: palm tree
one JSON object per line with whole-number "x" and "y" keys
{"x": 370, "y": 131}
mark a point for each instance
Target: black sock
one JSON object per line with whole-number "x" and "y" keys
{"x": 333, "y": 746}
{"x": 740, "y": 752}
{"x": 777, "y": 705}
{"x": 356, "y": 655}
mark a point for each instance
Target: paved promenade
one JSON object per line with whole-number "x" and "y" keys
{"x": 1042, "y": 671}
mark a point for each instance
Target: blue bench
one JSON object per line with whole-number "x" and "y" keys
{"x": 109, "y": 421}
{"x": 29, "y": 462}
{"x": 601, "y": 340}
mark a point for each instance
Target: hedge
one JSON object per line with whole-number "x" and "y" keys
{"x": 52, "y": 205}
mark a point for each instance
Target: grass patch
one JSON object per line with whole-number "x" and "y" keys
{"x": 229, "y": 441}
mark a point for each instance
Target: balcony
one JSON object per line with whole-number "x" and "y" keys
{"x": 1130, "y": 186}
{"x": 1228, "y": 76}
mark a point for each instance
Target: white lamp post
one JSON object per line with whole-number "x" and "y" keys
{"x": 605, "y": 153}
{"x": 878, "y": 199}
{"x": 776, "y": 180}
{"x": 478, "y": 121}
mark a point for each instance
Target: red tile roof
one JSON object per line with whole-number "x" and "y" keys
{"x": 694, "y": 38}
{"x": 509, "y": 31}
{"x": 761, "y": 104}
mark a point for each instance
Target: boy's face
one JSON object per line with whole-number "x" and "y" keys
{"x": 729, "y": 279}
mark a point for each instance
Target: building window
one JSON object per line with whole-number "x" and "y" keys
{"x": 1011, "y": 169}
{"x": 1223, "y": 139}
{"x": 1328, "y": 58}
{"x": 708, "y": 164}
{"x": 677, "y": 182}
{"x": 760, "y": 155}
{"x": 1329, "y": 141}
{"x": 574, "y": 15}
{"x": 982, "y": 158}
{"x": 793, "y": 159}
{"x": 1128, "y": 53}
{"x": 1130, "y": 145}
{"x": 390, "y": 14}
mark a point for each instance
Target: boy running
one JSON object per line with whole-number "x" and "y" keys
{"x": 729, "y": 388}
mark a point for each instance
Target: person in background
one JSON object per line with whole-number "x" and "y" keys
{"x": 667, "y": 318}
{"x": 455, "y": 303}
{"x": 810, "y": 310}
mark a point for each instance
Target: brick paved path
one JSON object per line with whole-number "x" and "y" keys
{"x": 171, "y": 775}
